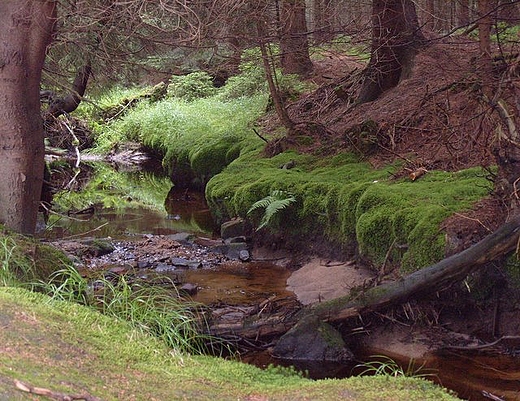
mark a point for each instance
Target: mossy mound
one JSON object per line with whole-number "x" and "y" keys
{"x": 25, "y": 261}
{"x": 392, "y": 221}
{"x": 69, "y": 349}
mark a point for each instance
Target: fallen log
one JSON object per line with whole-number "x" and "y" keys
{"x": 427, "y": 280}
{"x": 420, "y": 283}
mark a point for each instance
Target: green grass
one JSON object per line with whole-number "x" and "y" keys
{"x": 68, "y": 348}
{"x": 197, "y": 138}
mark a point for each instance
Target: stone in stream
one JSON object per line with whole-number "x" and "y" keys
{"x": 185, "y": 263}
{"x": 188, "y": 289}
{"x": 163, "y": 267}
{"x": 234, "y": 251}
{"x": 182, "y": 238}
{"x": 312, "y": 340}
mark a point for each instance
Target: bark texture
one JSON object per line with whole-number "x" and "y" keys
{"x": 27, "y": 27}
{"x": 396, "y": 38}
{"x": 294, "y": 45}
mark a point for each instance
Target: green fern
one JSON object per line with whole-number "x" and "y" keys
{"x": 272, "y": 204}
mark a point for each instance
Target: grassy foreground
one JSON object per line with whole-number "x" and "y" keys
{"x": 69, "y": 349}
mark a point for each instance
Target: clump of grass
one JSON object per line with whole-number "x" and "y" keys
{"x": 382, "y": 365}
{"x": 9, "y": 270}
{"x": 155, "y": 310}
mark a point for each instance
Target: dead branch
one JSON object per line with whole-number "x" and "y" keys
{"x": 428, "y": 280}
{"x": 26, "y": 388}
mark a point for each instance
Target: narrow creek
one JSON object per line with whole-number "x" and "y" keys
{"x": 473, "y": 375}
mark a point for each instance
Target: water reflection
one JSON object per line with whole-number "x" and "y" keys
{"x": 123, "y": 203}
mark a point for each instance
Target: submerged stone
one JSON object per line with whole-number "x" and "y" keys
{"x": 312, "y": 340}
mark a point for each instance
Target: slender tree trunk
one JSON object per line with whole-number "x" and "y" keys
{"x": 485, "y": 64}
{"x": 279, "y": 106}
{"x": 26, "y": 32}
{"x": 396, "y": 38}
{"x": 463, "y": 17}
{"x": 294, "y": 45}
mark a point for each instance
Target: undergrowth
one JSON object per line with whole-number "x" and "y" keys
{"x": 156, "y": 310}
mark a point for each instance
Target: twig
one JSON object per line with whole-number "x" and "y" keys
{"x": 472, "y": 219}
{"x": 492, "y": 396}
{"x": 260, "y": 136}
{"x": 87, "y": 232}
{"x": 52, "y": 394}
{"x": 482, "y": 346}
{"x": 75, "y": 141}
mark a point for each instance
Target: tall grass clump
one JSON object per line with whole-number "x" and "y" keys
{"x": 197, "y": 138}
{"x": 382, "y": 365}
{"x": 12, "y": 268}
{"x": 155, "y": 310}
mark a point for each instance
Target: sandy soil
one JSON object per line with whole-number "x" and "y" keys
{"x": 320, "y": 280}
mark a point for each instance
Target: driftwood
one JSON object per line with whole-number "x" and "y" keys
{"x": 425, "y": 281}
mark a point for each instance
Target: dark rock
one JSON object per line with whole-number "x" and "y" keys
{"x": 143, "y": 264}
{"x": 183, "y": 238}
{"x": 312, "y": 340}
{"x": 233, "y": 228}
{"x": 235, "y": 251}
{"x": 180, "y": 262}
{"x": 244, "y": 255}
{"x": 163, "y": 267}
{"x": 235, "y": 240}
{"x": 188, "y": 288}
{"x": 185, "y": 263}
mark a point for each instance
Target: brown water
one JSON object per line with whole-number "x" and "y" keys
{"x": 239, "y": 284}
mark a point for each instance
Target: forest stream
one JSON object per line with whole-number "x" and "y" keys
{"x": 140, "y": 214}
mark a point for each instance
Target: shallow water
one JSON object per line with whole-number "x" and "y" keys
{"x": 239, "y": 284}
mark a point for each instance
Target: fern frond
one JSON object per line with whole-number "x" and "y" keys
{"x": 272, "y": 204}
{"x": 261, "y": 204}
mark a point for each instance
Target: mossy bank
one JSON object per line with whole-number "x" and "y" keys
{"x": 69, "y": 349}
{"x": 355, "y": 207}
{"x": 208, "y": 137}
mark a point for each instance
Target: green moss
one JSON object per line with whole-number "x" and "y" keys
{"x": 346, "y": 200}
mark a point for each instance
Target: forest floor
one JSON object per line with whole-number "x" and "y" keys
{"x": 434, "y": 119}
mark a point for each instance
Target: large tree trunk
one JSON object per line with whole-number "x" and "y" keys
{"x": 396, "y": 38}
{"x": 27, "y": 27}
{"x": 294, "y": 45}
